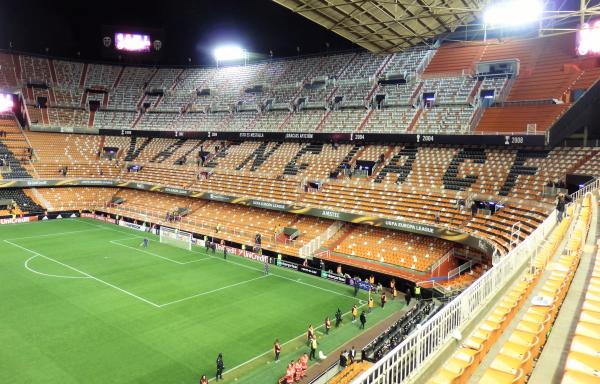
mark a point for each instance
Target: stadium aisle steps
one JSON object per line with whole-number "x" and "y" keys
{"x": 518, "y": 354}
{"x": 470, "y": 357}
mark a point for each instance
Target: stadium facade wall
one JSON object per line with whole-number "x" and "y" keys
{"x": 389, "y": 223}
{"x": 508, "y": 141}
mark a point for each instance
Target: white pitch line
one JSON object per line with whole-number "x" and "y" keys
{"x": 85, "y": 274}
{"x": 284, "y": 277}
{"x": 271, "y": 349}
{"x": 26, "y": 264}
{"x": 51, "y": 234}
{"x": 156, "y": 255}
{"x": 214, "y": 290}
{"x": 248, "y": 267}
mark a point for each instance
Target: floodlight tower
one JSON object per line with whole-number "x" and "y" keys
{"x": 512, "y": 14}
{"x": 227, "y": 53}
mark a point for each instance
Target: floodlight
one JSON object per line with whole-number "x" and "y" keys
{"x": 229, "y": 53}
{"x": 513, "y": 13}
{"x": 6, "y": 102}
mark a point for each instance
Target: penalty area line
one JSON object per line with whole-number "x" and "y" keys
{"x": 213, "y": 291}
{"x": 84, "y": 273}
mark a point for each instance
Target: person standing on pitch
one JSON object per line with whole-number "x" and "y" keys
{"x": 277, "y": 348}
{"x": 354, "y": 312}
{"x": 338, "y": 318}
{"x": 313, "y": 348}
{"x": 220, "y": 367}
{"x": 363, "y": 319}
{"x": 327, "y": 325}
{"x": 266, "y": 267}
{"x": 203, "y": 380}
{"x": 371, "y": 303}
{"x": 225, "y": 253}
{"x": 310, "y": 333}
{"x": 408, "y": 296}
{"x": 145, "y": 243}
{"x": 383, "y": 299}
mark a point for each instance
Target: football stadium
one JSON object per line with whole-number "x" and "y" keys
{"x": 300, "y": 191}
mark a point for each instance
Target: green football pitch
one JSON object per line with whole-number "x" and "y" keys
{"x": 82, "y": 302}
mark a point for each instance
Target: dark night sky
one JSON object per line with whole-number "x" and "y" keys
{"x": 192, "y": 28}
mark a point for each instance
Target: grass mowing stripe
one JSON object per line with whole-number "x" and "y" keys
{"x": 51, "y": 234}
{"x": 155, "y": 255}
{"x": 179, "y": 341}
{"x": 84, "y": 273}
{"x": 214, "y": 290}
{"x": 283, "y": 344}
{"x": 248, "y": 267}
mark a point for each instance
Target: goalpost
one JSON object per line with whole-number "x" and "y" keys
{"x": 176, "y": 237}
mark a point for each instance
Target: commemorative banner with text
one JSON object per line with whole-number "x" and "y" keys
{"x": 404, "y": 225}
{"x": 504, "y": 140}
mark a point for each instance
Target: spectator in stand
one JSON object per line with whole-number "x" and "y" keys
{"x": 343, "y": 360}
{"x": 352, "y": 355}
{"x": 437, "y": 217}
{"x": 561, "y": 202}
{"x": 473, "y": 209}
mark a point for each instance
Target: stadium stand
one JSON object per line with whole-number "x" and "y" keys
{"x": 24, "y": 202}
{"x": 515, "y": 358}
{"x": 581, "y": 364}
{"x": 393, "y": 247}
{"x": 340, "y": 86}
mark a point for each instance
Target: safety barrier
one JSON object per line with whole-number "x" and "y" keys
{"x": 403, "y": 362}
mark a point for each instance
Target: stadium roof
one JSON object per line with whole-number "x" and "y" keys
{"x": 388, "y": 25}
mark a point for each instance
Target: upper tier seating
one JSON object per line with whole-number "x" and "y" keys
{"x": 8, "y": 75}
{"x": 230, "y": 97}
{"x": 518, "y": 118}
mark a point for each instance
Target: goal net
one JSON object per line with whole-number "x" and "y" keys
{"x": 176, "y": 238}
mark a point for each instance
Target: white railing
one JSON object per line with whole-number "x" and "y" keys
{"x": 460, "y": 269}
{"x": 405, "y": 360}
{"x": 310, "y": 248}
{"x": 425, "y": 62}
{"x": 590, "y": 186}
{"x": 441, "y": 260}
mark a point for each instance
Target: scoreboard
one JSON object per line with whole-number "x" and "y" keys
{"x": 137, "y": 45}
